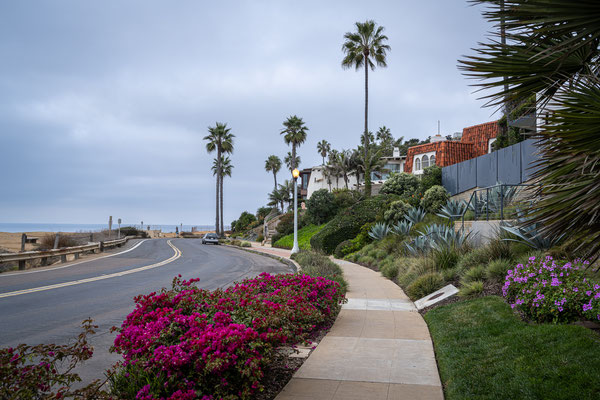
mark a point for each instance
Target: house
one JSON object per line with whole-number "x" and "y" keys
{"x": 475, "y": 141}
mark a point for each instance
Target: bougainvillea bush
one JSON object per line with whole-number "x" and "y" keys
{"x": 546, "y": 290}
{"x": 188, "y": 343}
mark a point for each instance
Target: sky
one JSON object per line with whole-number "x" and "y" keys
{"x": 104, "y": 104}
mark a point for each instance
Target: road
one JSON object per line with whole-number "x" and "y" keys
{"x": 47, "y": 306}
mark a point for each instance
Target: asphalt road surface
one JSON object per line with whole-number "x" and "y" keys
{"x": 48, "y": 306}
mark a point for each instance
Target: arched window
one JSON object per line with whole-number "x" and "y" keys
{"x": 417, "y": 164}
{"x": 425, "y": 162}
{"x": 432, "y": 160}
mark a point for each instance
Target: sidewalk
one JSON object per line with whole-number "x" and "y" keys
{"x": 378, "y": 348}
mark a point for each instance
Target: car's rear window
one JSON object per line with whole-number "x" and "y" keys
{"x": 211, "y": 236}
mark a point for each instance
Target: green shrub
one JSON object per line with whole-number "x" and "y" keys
{"x": 242, "y": 223}
{"x": 476, "y": 273}
{"x": 396, "y": 211}
{"x": 431, "y": 176}
{"x": 348, "y": 223}
{"x": 345, "y": 248}
{"x": 366, "y": 260}
{"x": 434, "y": 198}
{"x": 445, "y": 257}
{"x": 390, "y": 271}
{"x": 285, "y": 226}
{"x": 473, "y": 258}
{"x": 471, "y": 289}
{"x": 345, "y": 198}
{"x": 260, "y": 238}
{"x": 315, "y": 264}
{"x": 425, "y": 284}
{"x": 450, "y": 274}
{"x": 401, "y": 184}
{"x": 133, "y": 231}
{"x": 321, "y": 206}
{"x": 497, "y": 269}
{"x": 499, "y": 249}
{"x": 245, "y": 244}
{"x": 410, "y": 268}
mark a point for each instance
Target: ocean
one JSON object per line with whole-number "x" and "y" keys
{"x": 33, "y": 227}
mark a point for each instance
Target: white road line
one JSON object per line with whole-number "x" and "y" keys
{"x": 70, "y": 265}
{"x": 97, "y": 278}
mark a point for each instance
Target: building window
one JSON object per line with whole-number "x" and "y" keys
{"x": 425, "y": 162}
{"x": 432, "y": 160}
{"x": 417, "y": 164}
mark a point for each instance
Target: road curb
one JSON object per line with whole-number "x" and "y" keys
{"x": 291, "y": 263}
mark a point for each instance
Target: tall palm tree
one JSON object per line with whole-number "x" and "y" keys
{"x": 288, "y": 161}
{"x": 333, "y": 166}
{"x": 225, "y": 168}
{"x": 273, "y": 164}
{"x": 323, "y": 148}
{"x": 295, "y": 134}
{"x": 219, "y": 139}
{"x": 361, "y": 48}
{"x": 552, "y": 50}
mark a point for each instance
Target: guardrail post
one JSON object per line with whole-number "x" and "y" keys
{"x": 101, "y": 247}
{"x": 63, "y": 258}
{"x": 44, "y": 261}
{"x": 76, "y": 256}
{"x": 21, "y": 265}
{"x": 23, "y": 241}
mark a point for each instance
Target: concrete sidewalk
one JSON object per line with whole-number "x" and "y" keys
{"x": 378, "y": 348}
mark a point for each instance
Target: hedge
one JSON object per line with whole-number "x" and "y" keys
{"x": 347, "y": 224}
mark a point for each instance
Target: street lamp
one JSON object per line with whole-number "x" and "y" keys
{"x": 295, "y": 174}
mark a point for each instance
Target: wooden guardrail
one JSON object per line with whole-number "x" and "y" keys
{"x": 25, "y": 256}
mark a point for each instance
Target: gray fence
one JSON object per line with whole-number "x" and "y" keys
{"x": 511, "y": 165}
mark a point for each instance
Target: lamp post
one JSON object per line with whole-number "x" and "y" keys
{"x": 295, "y": 174}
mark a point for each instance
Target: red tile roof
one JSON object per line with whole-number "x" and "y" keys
{"x": 474, "y": 143}
{"x": 480, "y": 135}
{"x": 447, "y": 153}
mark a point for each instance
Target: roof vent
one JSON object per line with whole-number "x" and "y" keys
{"x": 396, "y": 152}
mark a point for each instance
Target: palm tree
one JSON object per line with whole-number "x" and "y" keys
{"x": 288, "y": 161}
{"x": 294, "y": 134}
{"x": 219, "y": 139}
{"x": 552, "y": 50}
{"x": 361, "y": 48}
{"x": 333, "y": 166}
{"x": 345, "y": 165}
{"x": 276, "y": 198}
{"x": 273, "y": 163}
{"x": 323, "y": 148}
{"x": 225, "y": 167}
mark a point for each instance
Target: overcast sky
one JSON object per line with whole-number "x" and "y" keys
{"x": 104, "y": 104}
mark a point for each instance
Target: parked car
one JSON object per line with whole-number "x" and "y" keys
{"x": 210, "y": 238}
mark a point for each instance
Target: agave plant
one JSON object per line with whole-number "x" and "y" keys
{"x": 379, "y": 231}
{"x": 527, "y": 233}
{"x": 418, "y": 246}
{"x": 402, "y": 228}
{"x": 453, "y": 209}
{"x": 415, "y": 215}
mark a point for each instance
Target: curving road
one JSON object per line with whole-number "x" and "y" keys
{"x": 47, "y": 306}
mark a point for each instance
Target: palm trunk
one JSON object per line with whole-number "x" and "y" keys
{"x": 323, "y": 160}
{"x": 293, "y": 156}
{"x": 222, "y": 225}
{"x": 275, "y": 178}
{"x": 346, "y": 180}
{"x": 367, "y": 164}
{"x": 217, "y": 227}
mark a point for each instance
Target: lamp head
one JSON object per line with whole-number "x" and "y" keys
{"x": 295, "y": 173}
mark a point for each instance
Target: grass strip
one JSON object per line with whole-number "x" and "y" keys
{"x": 485, "y": 351}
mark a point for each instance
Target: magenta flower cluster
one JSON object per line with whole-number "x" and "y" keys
{"x": 204, "y": 344}
{"x": 546, "y": 290}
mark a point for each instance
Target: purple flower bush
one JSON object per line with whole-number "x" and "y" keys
{"x": 549, "y": 291}
{"x": 190, "y": 343}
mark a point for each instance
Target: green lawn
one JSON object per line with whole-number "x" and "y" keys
{"x": 304, "y": 235}
{"x": 484, "y": 351}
